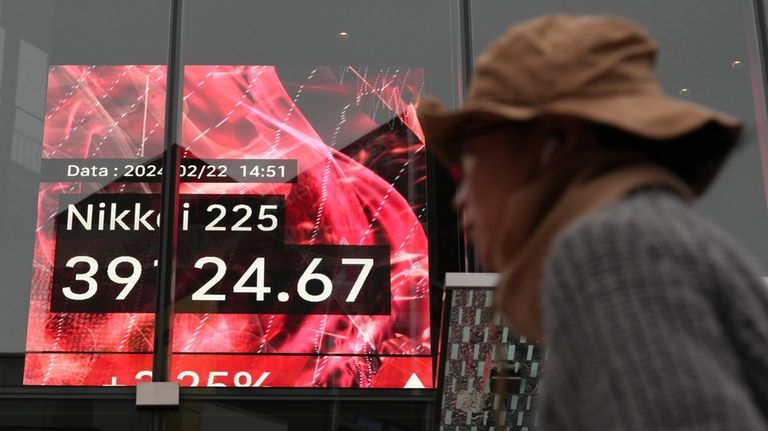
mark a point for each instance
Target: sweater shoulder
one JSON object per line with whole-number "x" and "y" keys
{"x": 648, "y": 231}
{"x": 649, "y": 307}
{"x": 650, "y": 220}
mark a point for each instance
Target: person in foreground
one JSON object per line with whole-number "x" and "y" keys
{"x": 578, "y": 175}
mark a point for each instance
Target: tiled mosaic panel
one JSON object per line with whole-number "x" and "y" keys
{"x": 475, "y": 333}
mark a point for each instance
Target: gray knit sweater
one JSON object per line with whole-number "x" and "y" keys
{"x": 655, "y": 320}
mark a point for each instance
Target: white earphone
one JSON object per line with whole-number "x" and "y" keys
{"x": 552, "y": 145}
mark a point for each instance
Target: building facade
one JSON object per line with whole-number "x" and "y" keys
{"x": 235, "y": 196}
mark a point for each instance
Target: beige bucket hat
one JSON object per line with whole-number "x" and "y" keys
{"x": 598, "y": 68}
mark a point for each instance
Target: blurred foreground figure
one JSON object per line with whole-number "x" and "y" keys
{"x": 578, "y": 173}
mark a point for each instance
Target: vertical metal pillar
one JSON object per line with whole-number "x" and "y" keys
{"x": 170, "y": 201}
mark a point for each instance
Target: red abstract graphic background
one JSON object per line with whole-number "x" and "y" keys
{"x": 92, "y": 112}
{"x": 361, "y": 181}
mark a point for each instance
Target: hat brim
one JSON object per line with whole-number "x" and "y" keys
{"x": 654, "y": 116}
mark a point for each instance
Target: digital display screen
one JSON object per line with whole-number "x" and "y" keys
{"x": 302, "y": 253}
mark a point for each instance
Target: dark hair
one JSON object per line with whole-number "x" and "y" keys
{"x": 695, "y": 157}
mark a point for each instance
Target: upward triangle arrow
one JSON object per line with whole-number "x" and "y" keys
{"x": 414, "y": 382}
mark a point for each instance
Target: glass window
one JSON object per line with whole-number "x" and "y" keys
{"x": 82, "y": 108}
{"x": 303, "y": 231}
{"x": 708, "y": 53}
{"x": 303, "y": 254}
{"x": 55, "y": 413}
{"x": 314, "y": 414}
